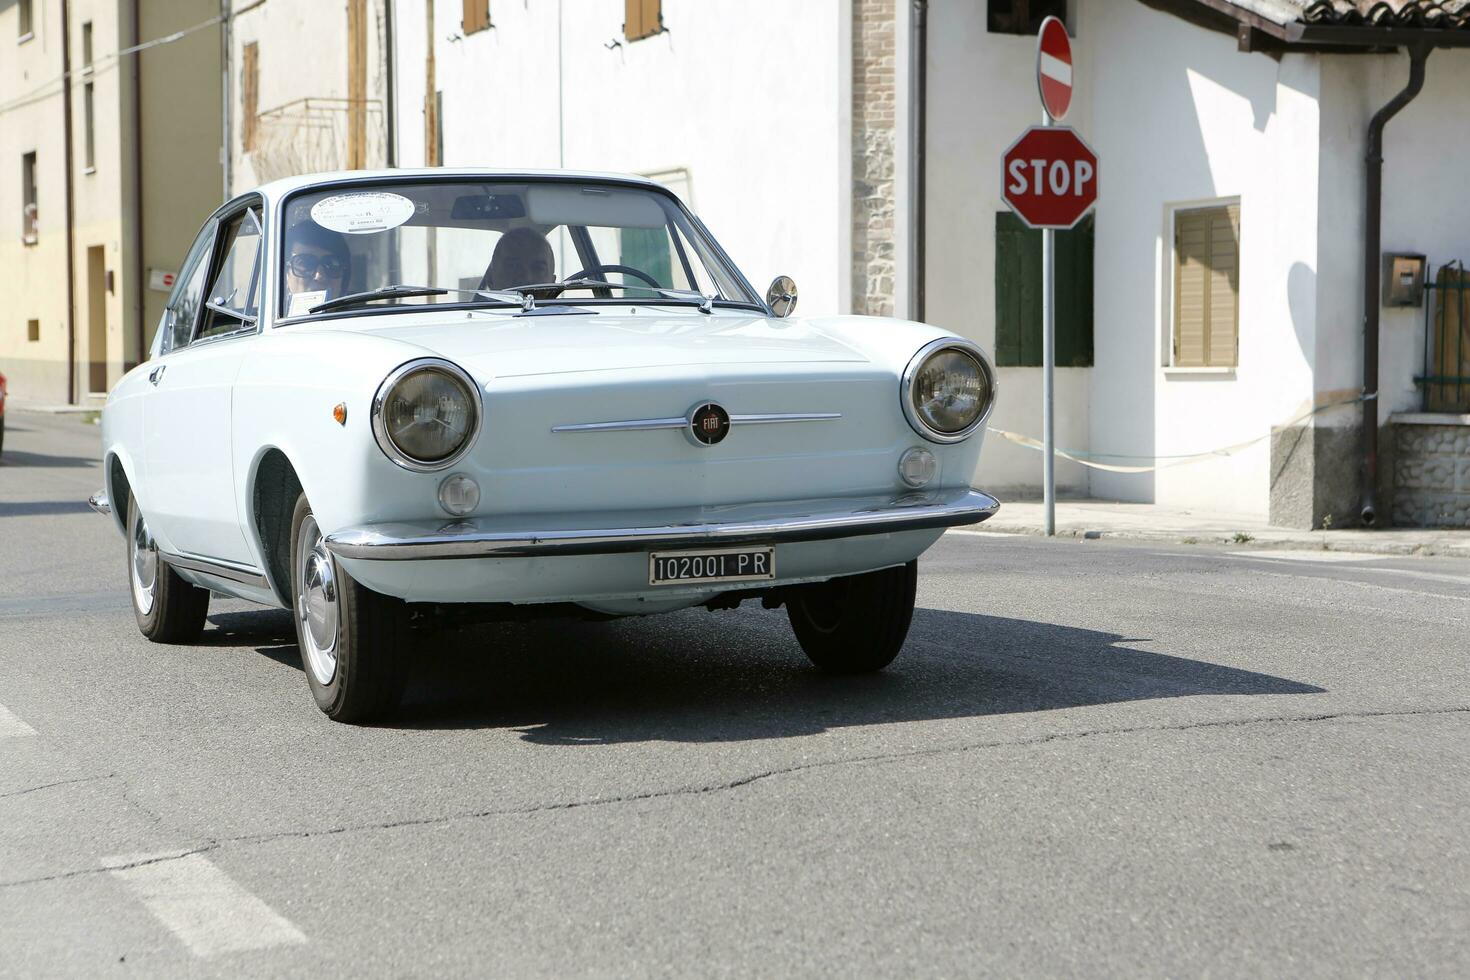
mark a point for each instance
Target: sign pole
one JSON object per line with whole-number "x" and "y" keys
{"x": 1048, "y": 368}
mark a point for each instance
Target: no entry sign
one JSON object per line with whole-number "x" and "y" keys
{"x": 1054, "y": 67}
{"x": 1049, "y": 177}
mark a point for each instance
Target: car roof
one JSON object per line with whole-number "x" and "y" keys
{"x": 277, "y": 189}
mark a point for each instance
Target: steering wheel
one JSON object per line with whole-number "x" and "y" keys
{"x": 626, "y": 270}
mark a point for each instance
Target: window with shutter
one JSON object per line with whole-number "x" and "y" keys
{"x": 642, "y": 18}
{"x": 249, "y": 95}
{"x": 1018, "y": 294}
{"x": 476, "y": 15}
{"x": 1207, "y": 286}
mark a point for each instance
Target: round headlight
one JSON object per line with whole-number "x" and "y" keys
{"x": 948, "y": 390}
{"x": 426, "y": 414}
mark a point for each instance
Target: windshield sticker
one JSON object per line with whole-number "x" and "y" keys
{"x": 362, "y": 213}
{"x": 301, "y": 303}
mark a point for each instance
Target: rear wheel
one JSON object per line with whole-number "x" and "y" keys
{"x": 855, "y": 624}
{"x": 168, "y": 609}
{"x": 352, "y": 639}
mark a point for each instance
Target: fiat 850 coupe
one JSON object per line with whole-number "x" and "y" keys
{"x": 390, "y": 400}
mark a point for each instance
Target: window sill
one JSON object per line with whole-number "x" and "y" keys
{"x": 28, "y": 36}
{"x": 1194, "y": 372}
{"x": 88, "y": 171}
{"x": 29, "y": 240}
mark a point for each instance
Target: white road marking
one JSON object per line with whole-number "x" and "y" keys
{"x": 11, "y": 726}
{"x": 1327, "y": 557}
{"x": 203, "y": 906}
{"x": 980, "y": 534}
{"x": 1056, "y": 69}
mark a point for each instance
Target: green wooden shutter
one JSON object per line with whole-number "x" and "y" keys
{"x": 1018, "y": 294}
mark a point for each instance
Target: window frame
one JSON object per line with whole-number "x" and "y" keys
{"x": 25, "y": 20}
{"x": 1169, "y": 294}
{"x": 30, "y": 195}
{"x": 219, "y": 251}
{"x": 1031, "y": 31}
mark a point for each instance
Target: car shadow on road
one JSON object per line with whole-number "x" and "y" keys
{"x": 19, "y": 457}
{"x": 731, "y": 676}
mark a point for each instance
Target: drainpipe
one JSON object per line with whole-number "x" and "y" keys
{"x": 1372, "y": 246}
{"x": 71, "y": 217}
{"x": 391, "y": 70}
{"x": 140, "y": 280}
{"x": 918, "y": 121}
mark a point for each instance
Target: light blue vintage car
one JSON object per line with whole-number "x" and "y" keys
{"x": 375, "y": 395}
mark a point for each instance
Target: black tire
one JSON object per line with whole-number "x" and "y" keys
{"x": 855, "y": 624}
{"x": 177, "y": 609}
{"x": 371, "y": 638}
{"x": 2, "y": 435}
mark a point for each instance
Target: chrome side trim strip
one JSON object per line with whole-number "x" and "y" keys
{"x": 100, "y": 503}
{"x": 784, "y": 417}
{"x": 633, "y": 425}
{"x": 229, "y": 571}
{"x": 813, "y": 520}
{"x": 643, "y": 425}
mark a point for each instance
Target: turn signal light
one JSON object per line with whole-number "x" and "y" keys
{"x": 339, "y": 413}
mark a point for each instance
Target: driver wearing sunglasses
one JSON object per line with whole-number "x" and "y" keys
{"x": 317, "y": 261}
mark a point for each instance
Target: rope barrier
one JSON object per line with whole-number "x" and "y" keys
{"x": 1090, "y": 459}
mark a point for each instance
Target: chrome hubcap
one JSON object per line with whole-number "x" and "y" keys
{"x": 316, "y": 603}
{"x": 144, "y": 554}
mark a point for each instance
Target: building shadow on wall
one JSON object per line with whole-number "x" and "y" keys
{"x": 736, "y": 676}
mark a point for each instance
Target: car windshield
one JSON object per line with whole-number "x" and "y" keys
{"x": 368, "y": 242}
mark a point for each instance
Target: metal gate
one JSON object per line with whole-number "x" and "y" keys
{"x": 1446, "y": 379}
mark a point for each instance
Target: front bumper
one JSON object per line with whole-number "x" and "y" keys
{"x": 621, "y": 532}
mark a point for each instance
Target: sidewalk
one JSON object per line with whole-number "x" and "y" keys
{"x": 1155, "y": 522}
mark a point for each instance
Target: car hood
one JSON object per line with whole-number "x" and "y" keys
{"x": 502, "y": 346}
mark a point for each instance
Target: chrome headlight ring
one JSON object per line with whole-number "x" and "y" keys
{"x": 385, "y": 390}
{"x": 906, "y": 389}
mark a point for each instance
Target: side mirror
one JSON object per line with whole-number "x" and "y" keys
{"x": 781, "y": 296}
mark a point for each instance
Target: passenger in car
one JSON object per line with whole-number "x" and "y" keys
{"x": 522, "y": 257}
{"x": 318, "y": 261}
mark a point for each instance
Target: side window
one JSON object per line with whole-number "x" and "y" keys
{"x": 183, "y": 306}
{"x": 232, "y": 301}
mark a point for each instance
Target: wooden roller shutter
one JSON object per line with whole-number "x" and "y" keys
{"x": 642, "y": 18}
{"x": 249, "y": 95}
{"x": 476, "y": 15}
{"x": 1207, "y": 286}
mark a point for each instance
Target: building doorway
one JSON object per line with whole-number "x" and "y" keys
{"x": 96, "y": 320}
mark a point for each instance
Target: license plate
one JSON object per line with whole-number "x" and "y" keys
{"x": 725, "y": 565}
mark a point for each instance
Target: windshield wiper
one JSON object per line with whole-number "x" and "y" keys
{"x": 385, "y": 292}
{"x": 508, "y": 296}
{"x": 706, "y": 303}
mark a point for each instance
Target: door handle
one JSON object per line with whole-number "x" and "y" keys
{"x": 156, "y": 375}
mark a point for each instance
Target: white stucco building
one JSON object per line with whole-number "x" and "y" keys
{"x": 1232, "y": 139}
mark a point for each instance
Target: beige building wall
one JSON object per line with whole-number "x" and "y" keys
{"x": 154, "y": 140}
{"x": 32, "y": 276}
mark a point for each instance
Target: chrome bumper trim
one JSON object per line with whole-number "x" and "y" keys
{"x": 809, "y": 520}
{"x": 228, "y": 571}
{"x": 100, "y": 503}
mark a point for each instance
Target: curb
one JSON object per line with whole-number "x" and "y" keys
{"x": 1436, "y": 547}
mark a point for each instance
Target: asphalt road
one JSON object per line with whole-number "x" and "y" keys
{"x": 1092, "y": 758}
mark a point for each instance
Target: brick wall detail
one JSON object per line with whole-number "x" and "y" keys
{"x": 874, "y": 142}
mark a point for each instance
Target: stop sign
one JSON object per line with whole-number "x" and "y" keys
{"x": 1049, "y": 177}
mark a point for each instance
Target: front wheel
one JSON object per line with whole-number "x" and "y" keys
{"x": 168, "y": 609}
{"x": 855, "y": 624}
{"x": 352, "y": 639}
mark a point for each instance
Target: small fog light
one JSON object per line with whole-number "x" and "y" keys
{"x": 917, "y": 466}
{"x": 459, "y": 495}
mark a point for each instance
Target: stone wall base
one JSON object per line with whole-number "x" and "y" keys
{"x": 1431, "y": 471}
{"x": 1314, "y": 476}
